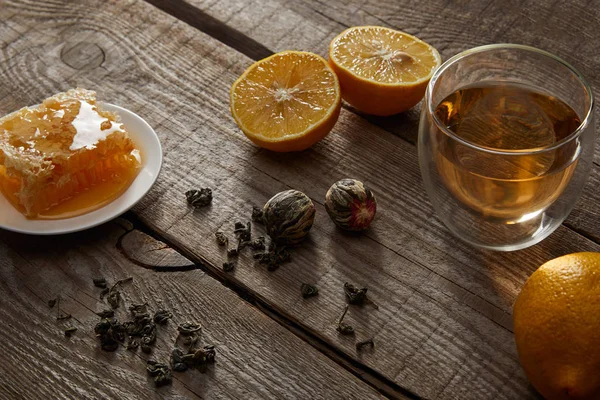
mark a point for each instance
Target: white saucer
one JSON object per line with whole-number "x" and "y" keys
{"x": 146, "y": 139}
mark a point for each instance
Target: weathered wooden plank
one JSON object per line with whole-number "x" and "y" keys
{"x": 444, "y": 312}
{"x": 449, "y": 26}
{"x": 256, "y": 357}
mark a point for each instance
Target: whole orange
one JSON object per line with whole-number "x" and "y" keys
{"x": 557, "y": 327}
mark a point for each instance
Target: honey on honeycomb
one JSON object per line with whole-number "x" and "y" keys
{"x": 65, "y": 157}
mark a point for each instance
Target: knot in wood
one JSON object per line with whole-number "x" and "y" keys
{"x": 82, "y": 55}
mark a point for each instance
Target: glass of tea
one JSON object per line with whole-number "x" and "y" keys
{"x": 506, "y": 142}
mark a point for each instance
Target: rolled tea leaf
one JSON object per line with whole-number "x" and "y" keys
{"x": 288, "y": 217}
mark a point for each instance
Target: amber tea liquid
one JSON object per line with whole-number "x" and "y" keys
{"x": 505, "y": 117}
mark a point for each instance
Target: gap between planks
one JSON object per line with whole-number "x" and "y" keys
{"x": 244, "y": 44}
{"x": 366, "y": 374}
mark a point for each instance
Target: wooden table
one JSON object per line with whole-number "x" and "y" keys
{"x": 443, "y": 327}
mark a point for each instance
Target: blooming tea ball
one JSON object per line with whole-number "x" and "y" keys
{"x": 288, "y": 216}
{"x": 351, "y": 205}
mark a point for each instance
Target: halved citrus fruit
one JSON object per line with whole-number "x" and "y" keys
{"x": 382, "y": 71}
{"x": 286, "y": 102}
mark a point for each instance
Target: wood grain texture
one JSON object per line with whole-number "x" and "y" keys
{"x": 256, "y": 357}
{"x": 450, "y": 26}
{"x": 443, "y": 327}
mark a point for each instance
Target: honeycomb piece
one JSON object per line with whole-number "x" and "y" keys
{"x": 54, "y": 152}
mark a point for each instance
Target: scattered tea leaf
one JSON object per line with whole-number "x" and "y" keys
{"x": 343, "y": 328}
{"x": 239, "y": 225}
{"x": 273, "y": 257}
{"x": 160, "y": 372}
{"x": 63, "y": 317}
{"x": 222, "y": 240}
{"x": 355, "y": 295}
{"x": 161, "y": 317}
{"x": 103, "y": 293}
{"x": 147, "y": 341}
{"x": 51, "y": 303}
{"x": 106, "y": 313}
{"x": 228, "y": 266}
{"x": 200, "y": 358}
{"x": 114, "y": 294}
{"x": 180, "y": 367}
{"x": 138, "y": 310}
{"x": 176, "y": 355}
{"x": 189, "y": 328}
{"x": 132, "y": 343}
{"x": 308, "y": 290}
{"x": 243, "y": 231}
{"x": 111, "y": 333}
{"x": 258, "y": 243}
{"x": 70, "y": 331}
{"x": 100, "y": 282}
{"x": 257, "y": 214}
{"x": 113, "y": 298}
{"x": 199, "y": 198}
{"x": 232, "y": 252}
{"x": 365, "y": 343}
{"x": 190, "y": 341}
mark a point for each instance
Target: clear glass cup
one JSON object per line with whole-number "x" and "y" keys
{"x": 501, "y": 179}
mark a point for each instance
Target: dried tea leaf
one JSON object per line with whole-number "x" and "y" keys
{"x": 113, "y": 298}
{"x": 113, "y": 294}
{"x": 160, "y": 372}
{"x": 106, "y": 313}
{"x": 52, "y": 303}
{"x": 345, "y": 329}
{"x": 342, "y": 327}
{"x": 274, "y": 257}
{"x": 100, "y": 282}
{"x": 133, "y": 343}
{"x": 288, "y": 217}
{"x": 111, "y": 333}
{"x": 232, "y": 252}
{"x": 355, "y": 295}
{"x": 138, "y": 309}
{"x": 161, "y": 317}
{"x": 365, "y": 343}
{"x": 148, "y": 340}
{"x": 200, "y": 358}
{"x": 222, "y": 240}
{"x": 70, "y": 331}
{"x": 190, "y": 341}
{"x": 228, "y": 266}
{"x": 189, "y": 328}
{"x": 243, "y": 232}
{"x": 257, "y": 214}
{"x": 199, "y": 198}
{"x": 104, "y": 292}
{"x": 63, "y": 317}
{"x": 308, "y": 290}
{"x": 258, "y": 243}
{"x": 180, "y": 367}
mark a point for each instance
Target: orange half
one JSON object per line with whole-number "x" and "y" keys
{"x": 382, "y": 71}
{"x": 286, "y": 102}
